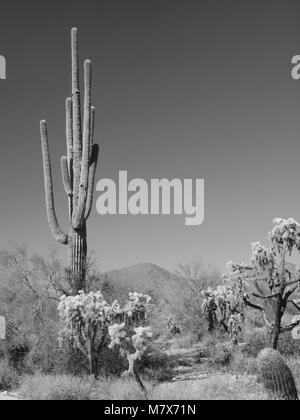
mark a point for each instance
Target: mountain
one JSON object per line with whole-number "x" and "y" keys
{"x": 143, "y": 278}
{"x": 144, "y": 275}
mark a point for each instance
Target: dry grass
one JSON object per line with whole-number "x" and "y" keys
{"x": 65, "y": 387}
{"x": 216, "y": 387}
{"x": 8, "y": 376}
{"x": 294, "y": 365}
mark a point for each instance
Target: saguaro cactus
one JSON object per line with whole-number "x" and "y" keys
{"x": 276, "y": 375}
{"x": 78, "y": 170}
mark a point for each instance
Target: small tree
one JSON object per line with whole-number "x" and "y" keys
{"x": 29, "y": 291}
{"x": 196, "y": 278}
{"x": 269, "y": 275}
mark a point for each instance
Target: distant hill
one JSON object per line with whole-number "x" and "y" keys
{"x": 144, "y": 275}
{"x": 144, "y": 278}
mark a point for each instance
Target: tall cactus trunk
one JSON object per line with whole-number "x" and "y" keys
{"x": 279, "y": 307}
{"x": 277, "y": 324}
{"x": 78, "y": 170}
{"x": 78, "y": 258}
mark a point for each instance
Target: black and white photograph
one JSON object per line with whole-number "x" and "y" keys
{"x": 149, "y": 182}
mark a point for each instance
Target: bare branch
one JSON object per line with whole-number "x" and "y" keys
{"x": 254, "y": 306}
{"x": 289, "y": 293}
{"x": 290, "y": 326}
{"x": 293, "y": 303}
{"x": 265, "y": 297}
{"x": 290, "y": 283}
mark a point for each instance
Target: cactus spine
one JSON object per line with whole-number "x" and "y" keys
{"x": 276, "y": 375}
{"x": 78, "y": 170}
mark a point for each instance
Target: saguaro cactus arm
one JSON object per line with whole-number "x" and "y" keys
{"x": 69, "y": 136}
{"x": 56, "y": 231}
{"x": 77, "y": 129}
{"x": 92, "y": 126}
{"x": 85, "y": 160}
{"x": 91, "y": 183}
{"x": 70, "y": 158}
{"x": 65, "y": 175}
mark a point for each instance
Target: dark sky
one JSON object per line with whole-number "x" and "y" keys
{"x": 185, "y": 89}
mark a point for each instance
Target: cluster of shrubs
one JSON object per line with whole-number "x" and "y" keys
{"x": 64, "y": 374}
{"x": 222, "y": 355}
{"x": 70, "y": 387}
{"x": 9, "y": 378}
{"x": 26, "y": 368}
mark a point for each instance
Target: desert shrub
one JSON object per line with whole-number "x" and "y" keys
{"x": 186, "y": 308}
{"x": 215, "y": 387}
{"x": 16, "y": 346}
{"x": 294, "y": 364}
{"x": 17, "y": 356}
{"x": 67, "y": 387}
{"x": 125, "y": 389}
{"x": 221, "y": 354}
{"x": 211, "y": 339}
{"x": 254, "y": 319}
{"x": 60, "y": 387}
{"x": 67, "y": 360}
{"x": 185, "y": 341}
{"x": 255, "y": 342}
{"x": 155, "y": 366}
{"x": 287, "y": 346}
{"x": 9, "y": 378}
{"x": 242, "y": 363}
{"x": 112, "y": 364}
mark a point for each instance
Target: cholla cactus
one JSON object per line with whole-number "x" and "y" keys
{"x": 132, "y": 343}
{"x": 286, "y": 234}
{"x": 276, "y": 375}
{"x": 172, "y": 327}
{"x": 225, "y": 306}
{"x": 137, "y": 306}
{"x": 78, "y": 170}
{"x": 209, "y": 308}
{"x": 234, "y": 327}
{"x": 269, "y": 275}
{"x": 90, "y": 323}
{"x": 86, "y": 318}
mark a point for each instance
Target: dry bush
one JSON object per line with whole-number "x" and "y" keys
{"x": 62, "y": 387}
{"x": 221, "y": 354}
{"x": 216, "y": 387}
{"x": 67, "y": 387}
{"x": 287, "y": 346}
{"x": 255, "y": 341}
{"x": 187, "y": 306}
{"x": 243, "y": 364}
{"x": 155, "y": 365}
{"x": 9, "y": 378}
{"x": 294, "y": 364}
{"x": 185, "y": 341}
